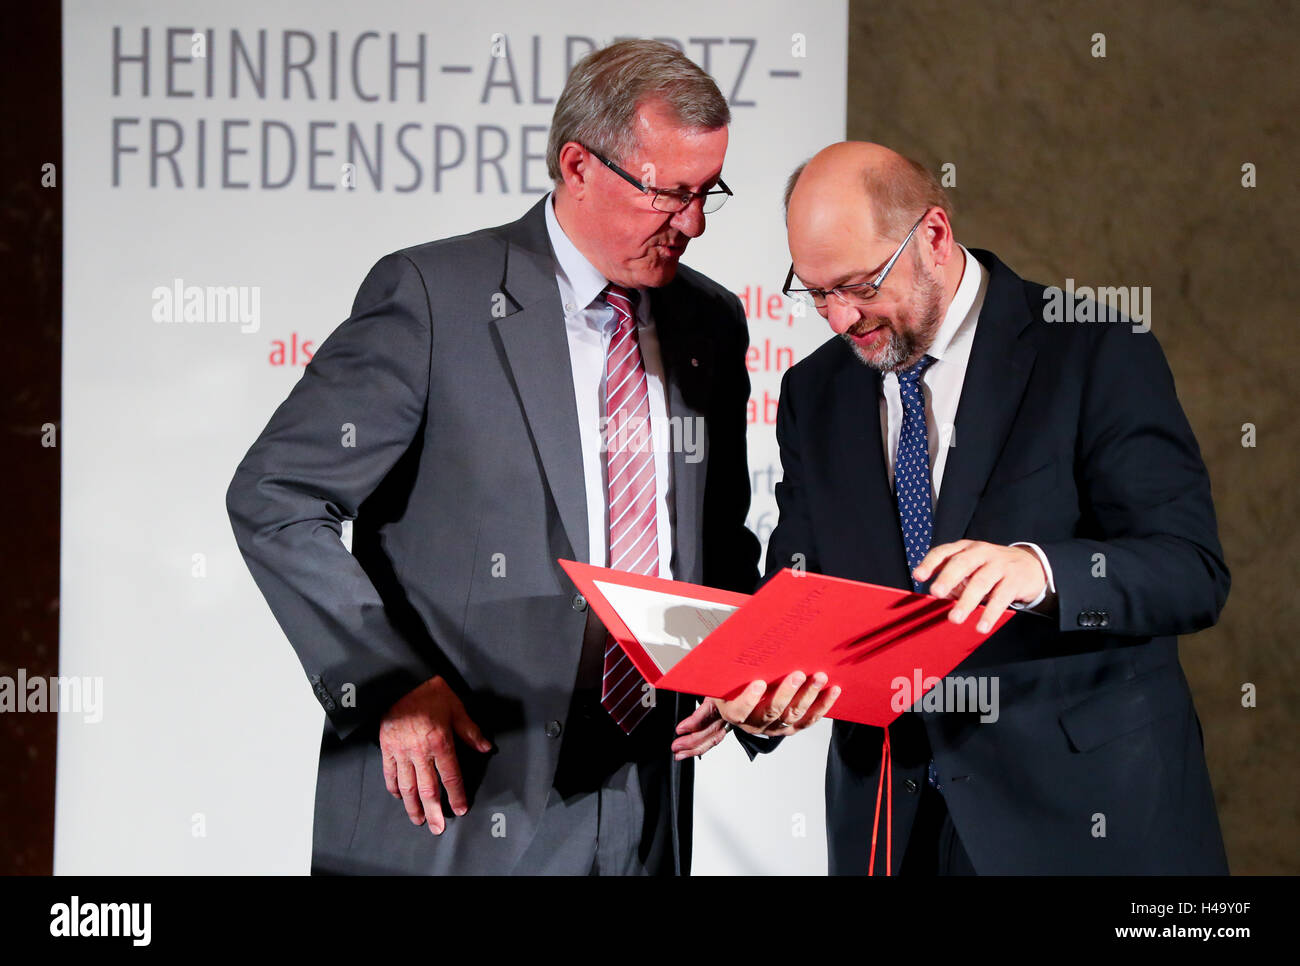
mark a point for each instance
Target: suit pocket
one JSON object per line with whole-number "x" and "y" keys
{"x": 1124, "y": 708}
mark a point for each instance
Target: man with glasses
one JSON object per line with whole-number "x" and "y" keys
{"x": 556, "y": 387}
{"x": 953, "y": 439}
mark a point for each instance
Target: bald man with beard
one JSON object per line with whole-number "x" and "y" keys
{"x": 952, "y": 439}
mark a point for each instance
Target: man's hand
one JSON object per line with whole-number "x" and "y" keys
{"x": 701, "y": 730}
{"x": 784, "y": 708}
{"x": 417, "y": 739}
{"x": 974, "y": 571}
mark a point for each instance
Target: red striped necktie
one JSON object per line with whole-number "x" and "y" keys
{"x": 633, "y": 519}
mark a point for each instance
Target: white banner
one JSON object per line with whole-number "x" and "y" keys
{"x": 265, "y": 156}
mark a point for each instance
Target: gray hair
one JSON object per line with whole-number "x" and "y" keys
{"x": 600, "y": 99}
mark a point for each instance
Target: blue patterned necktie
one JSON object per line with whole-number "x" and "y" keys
{"x": 912, "y": 469}
{"x": 912, "y": 484}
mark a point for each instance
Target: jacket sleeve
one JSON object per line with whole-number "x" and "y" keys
{"x": 1150, "y": 563}
{"x": 358, "y": 406}
{"x": 791, "y": 542}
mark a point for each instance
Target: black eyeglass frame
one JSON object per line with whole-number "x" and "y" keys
{"x": 684, "y": 198}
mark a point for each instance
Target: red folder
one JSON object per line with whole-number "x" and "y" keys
{"x": 884, "y": 647}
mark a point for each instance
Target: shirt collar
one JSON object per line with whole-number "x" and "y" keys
{"x": 585, "y": 283}
{"x": 963, "y": 302}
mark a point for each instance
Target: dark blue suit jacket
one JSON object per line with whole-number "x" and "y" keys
{"x": 1070, "y": 436}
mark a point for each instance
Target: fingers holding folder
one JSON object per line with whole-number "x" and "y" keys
{"x": 781, "y": 708}
{"x": 804, "y": 647}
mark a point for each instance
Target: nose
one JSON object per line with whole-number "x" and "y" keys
{"x": 842, "y": 317}
{"x": 690, "y": 220}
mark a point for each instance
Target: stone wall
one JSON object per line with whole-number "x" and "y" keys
{"x": 1127, "y": 170}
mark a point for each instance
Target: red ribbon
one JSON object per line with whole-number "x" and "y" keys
{"x": 886, "y": 784}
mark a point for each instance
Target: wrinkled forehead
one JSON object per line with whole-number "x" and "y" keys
{"x": 679, "y": 156}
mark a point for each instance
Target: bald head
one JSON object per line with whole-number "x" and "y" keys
{"x": 856, "y": 176}
{"x": 848, "y": 211}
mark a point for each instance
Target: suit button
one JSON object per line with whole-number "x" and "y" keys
{"x": 910, "y": 785}
{"x": 553, "y": 729}
{"x": 1085, "y": 618}
{"x": 1103, "y": 619}
{"x": 579, "y": 602}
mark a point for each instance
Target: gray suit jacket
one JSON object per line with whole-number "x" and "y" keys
{"x": 440, "y": 418}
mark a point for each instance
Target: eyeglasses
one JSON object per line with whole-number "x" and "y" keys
{"x": 856, "y": 294}
{"x": 671, "y": 200}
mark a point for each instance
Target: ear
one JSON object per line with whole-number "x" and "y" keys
{"x": 574, "y": 168}
{"x": 936, "y": 235}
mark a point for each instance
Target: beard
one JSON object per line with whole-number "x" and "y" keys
{"x": 908, "y": 336}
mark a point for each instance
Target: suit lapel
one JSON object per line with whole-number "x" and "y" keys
{"x": 536, "y": 349}
{"x": 996, "y": 376}
{"x": 862, "y": 495}
{"x": 688, "y": 363}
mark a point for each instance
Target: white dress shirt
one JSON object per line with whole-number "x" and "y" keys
{"x": 941, "y": 386}
{"x": 589, "y": 322}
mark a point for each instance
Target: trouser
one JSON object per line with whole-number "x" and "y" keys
{"x": 934, "y": 847}
{"x": 608, "y": 812}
